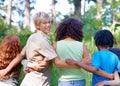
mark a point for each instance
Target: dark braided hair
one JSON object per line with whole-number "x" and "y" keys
{"x": 104, "y": 38}
{"x": 70, "y": 28}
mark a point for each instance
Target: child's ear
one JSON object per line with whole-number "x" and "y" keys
{"x": 38, "y": 27}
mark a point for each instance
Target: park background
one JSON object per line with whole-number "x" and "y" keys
{"x": 16, "y": 18}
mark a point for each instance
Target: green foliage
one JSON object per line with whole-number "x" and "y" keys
{"x": 88, "y": 77}
{"x": 55, "y": 76}
{"x": 115, "y": 3}
{"x": 3, "y": 28}
{"x": 115, "y": 29}
{"x": 6, "y": 30}
{"x": 52, "y": 37}
{"x": 11, "y": 31}
{"x": 107, "y": 16}
{"x": 116, "y": 34}
{"x": 52, "y": 33}
{"x": 90, "y": 20}
{"x": 91, "y": 25}
{"x": 23, "y": 35}
{"x": 21, "y": 76}
{"x": 117, "y": 16}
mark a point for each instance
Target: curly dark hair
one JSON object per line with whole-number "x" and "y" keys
{"x": 9, "y": 49}
{"x": 104, "y": 38}
{"x": 70, "y": 27}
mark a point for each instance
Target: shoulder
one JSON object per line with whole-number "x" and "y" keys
{"x": 32, "y": 36}
{"x": 81, "y": 44}
{"x": 58, "y": 43}
{"x": 96, "y": 54}
{"x": 36, "y": 37}
{"x": 114, "y": 55}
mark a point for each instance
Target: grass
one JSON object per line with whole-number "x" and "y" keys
{"x": 21, "y": 76}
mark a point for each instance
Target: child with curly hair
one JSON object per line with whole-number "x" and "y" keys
{"x": 9, "y": 49}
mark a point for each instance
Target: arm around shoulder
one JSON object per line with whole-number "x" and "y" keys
{"x": 116, "y": 80}
{"x": 13, "y": 63}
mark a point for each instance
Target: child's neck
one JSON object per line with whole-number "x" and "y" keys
{"x": 102, "y": 48}
{"x": 69, "y": 39}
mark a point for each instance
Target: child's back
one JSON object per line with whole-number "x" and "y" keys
{"x": 106, "y": 61}
{"x": 74, "y": 50}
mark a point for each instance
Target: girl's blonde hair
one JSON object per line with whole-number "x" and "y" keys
{"x": 41, "y": 17}
{"x": 9, "y": 49}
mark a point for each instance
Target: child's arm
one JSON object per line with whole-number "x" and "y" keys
{"x": 13, "y": 63}
{"x": 90, "y": 68}
{"x": 34, "y": 66}
{"x": 116, "y": 80}
{"x": 62, "y": 64}
{"x": 59, "y": 63}
{"x": 86, "y": 56}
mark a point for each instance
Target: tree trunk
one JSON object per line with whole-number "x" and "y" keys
{"x": 99, "y": 9}
{"x": 9, "y": 9}
{"x": 53, "y": 12}
{"x": 77, "y": 5}
{"x": 27, "y": 13}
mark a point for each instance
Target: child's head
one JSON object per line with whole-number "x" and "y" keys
{"x": 70, "y": 27}
{"x": 42, "y": 21}
{"x": 104, "y": 38}
{"x": 10, "y": 47}
{"x": 116, "y": 51}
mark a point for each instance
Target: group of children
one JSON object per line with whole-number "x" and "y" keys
{"x": 68, "y": 53}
